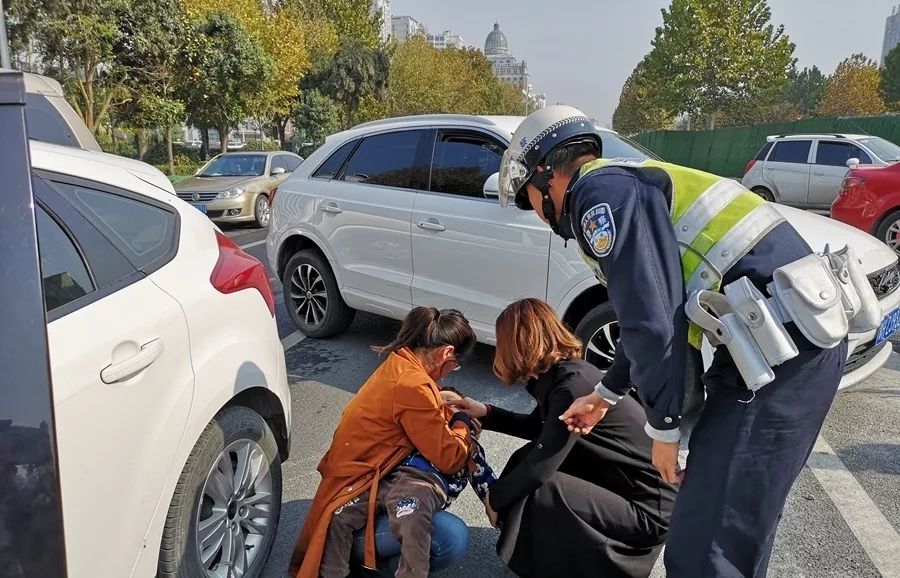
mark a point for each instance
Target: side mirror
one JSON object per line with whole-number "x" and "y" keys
{"x": 278, "y": 171}
{"x": 491, "y": 189}
{"x": 852, "y": 162}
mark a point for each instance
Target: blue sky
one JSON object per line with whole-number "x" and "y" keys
{"x": 580, "y": 52}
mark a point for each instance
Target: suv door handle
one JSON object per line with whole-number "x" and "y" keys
{"x": 116, "y": 372}
{"x": 431, "y": 225}
{"x": 332, "y": 208}
{"x": 818, "y": 174}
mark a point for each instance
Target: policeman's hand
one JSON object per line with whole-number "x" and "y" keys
{"x": 467, "y": 405}
{"x": 584, "y": 413}
{"x": 665, "y": 460}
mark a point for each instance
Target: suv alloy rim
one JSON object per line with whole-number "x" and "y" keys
{"x": 263, "y": 210}
{"x": 601, "y": 347}
{"x": 233, "y": 514}
{"x": 308, "y": 295}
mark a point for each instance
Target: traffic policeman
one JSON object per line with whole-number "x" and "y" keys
{"x": 653, "y": 233}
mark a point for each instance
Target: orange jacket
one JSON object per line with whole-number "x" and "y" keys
{"x": 397, "y": 410}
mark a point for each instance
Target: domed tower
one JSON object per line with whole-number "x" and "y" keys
{"x": 495, "y": 44}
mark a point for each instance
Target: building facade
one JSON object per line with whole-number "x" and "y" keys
{"x": 445, "y": 39}
{"x": 891, "y": 33}
{"x": 405, "y": 27}
{"x": 509, "y": 69}
{"x": 383, "y": 9}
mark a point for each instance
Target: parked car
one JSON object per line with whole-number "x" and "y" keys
{"x": 806, "y": 170}
{"x": 50, "y": 118}
{"x": 404, "y": 212}
{"x": 870, "y": 200}
{"x": 238, "y": 187}
{"x": 170, "y": 395}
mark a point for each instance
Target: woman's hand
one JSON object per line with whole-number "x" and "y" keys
{"x": 493, "y": 517}
{"x": 469, "y": 406}
{"x": 585, "y": 412}
{"x": 665, "y": 460}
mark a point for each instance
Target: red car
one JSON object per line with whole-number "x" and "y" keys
{"x": 870, "y": 200}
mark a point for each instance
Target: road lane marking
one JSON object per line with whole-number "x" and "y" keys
{"x": 253, "y": 244}
{"x": 878, "y": 538}
{"x": 292, "y": 340}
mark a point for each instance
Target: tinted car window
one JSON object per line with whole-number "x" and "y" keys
{"x": 291, "y": 163}
{"x": 791, "y": 151}
{"x": 143, "y": 232}
{"x": 63, "y": 272}
{"x": 886, "y": 150}
{"x": 236, "y": 166}
{"x": 384, "y": 159}
{"x": 761, "y": 155}
{"x": 836, "y": 154}
{"x": 617, "y": 146}
{"x": 330, "y": 167}
{"x": 462, "y": 163}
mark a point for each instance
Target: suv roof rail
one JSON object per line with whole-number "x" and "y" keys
{"x": 427, "y": 117}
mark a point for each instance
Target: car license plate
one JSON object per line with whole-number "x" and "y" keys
{"x": 201, "y": 208}
{"x": 889, "y": 326}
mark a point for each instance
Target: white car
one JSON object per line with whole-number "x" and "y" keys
{"x": 806, "y": 170}
{"x": 404, "y": 212}
{"x": 169, "y": 383}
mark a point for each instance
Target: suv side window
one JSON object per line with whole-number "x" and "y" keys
{"x": 145, "y": 233}
{"x": 462, "y": 162}
{"x": 761, "y": 155}
{"x": 64, "y": 273}
{"x": 333, "y": 164}
{"x": 384, "y": 159}
{"x": 791, "y": 151}
{"x": 836, "y": 154}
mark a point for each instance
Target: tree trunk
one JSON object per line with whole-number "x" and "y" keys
{"x": 143, "y": 145}
{"x": 204, "y": 143}
{"x": 223, "y": 138}
{"x": 712, "y": 121}
{"x": 169, "y": 149}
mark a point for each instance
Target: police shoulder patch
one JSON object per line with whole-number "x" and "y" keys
{"x": 599, "y": 229}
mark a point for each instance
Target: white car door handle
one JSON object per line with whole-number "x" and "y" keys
{"x": 332, "y": 208}
{"x": 116, "y": 372}
{"x": 431, "y": 225}
{"x": 818, "y": 174}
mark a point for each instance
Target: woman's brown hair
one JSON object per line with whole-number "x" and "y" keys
{"x": 531, "y": 340}
{"x": 426, "y": 328}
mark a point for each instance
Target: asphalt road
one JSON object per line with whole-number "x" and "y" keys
{"x": 842, "y": 518}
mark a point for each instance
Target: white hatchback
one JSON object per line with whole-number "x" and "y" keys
{"x": 404, "y": 212}
{"x": 170, "y": 391}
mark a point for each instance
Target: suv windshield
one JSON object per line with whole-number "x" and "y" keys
{"x": 236, "y": 166}
{"x": 886, "y": 150}
{"x": 617, "y": 146}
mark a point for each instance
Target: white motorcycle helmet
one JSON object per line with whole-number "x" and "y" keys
{"x": 538, "y": 135}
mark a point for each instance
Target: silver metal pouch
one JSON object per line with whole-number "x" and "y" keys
{"x": 764, "y": 323}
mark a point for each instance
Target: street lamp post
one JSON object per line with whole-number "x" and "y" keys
{"x": 4, "y": 43}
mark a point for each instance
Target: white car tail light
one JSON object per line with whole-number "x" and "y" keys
{"x": 236, "y": 270}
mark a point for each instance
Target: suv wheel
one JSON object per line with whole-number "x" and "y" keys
{"x": 262, "y": 212}
{"x": 889, "y": 231}
{"x": 224, "y": 514}
{"x": 599, "y": 332}
{"x": 312, "y": 297}
{"x": 764, "y": 193}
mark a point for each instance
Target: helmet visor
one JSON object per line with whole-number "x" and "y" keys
{"x": 513, "y": 176}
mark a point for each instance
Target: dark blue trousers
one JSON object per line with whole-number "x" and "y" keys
{"x": 743, "y": 460}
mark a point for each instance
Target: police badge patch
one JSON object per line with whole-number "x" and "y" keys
{"x": 599, "y": 229}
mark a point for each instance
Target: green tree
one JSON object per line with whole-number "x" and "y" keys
{"x": 638, "y": 110}
{"x": 890, "y": 79}
{"x": 315, "y": 118}
{"x": 149, "y": 48}
{"x": 225, "y": 69}
{"x": 74, "y": 41}
{"x": 349, "y": 18}
{"x": 712, "y": 57}
{"x": 854, "y": 89}
{"x": 347, "y": 77}
{"x": 804, "y": 89}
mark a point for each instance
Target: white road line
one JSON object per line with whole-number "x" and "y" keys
{"x": 253, "y": 244}
{"x": 292, "y": 340}
{"x": 876, "y": 535}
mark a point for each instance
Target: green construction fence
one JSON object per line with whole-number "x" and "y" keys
{"x": 726, "y": 151}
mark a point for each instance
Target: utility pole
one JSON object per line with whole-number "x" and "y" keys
{"x": 4, "y": 43}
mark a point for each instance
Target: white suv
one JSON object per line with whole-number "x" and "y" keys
{"x": 806, "y": 170}
{"x": 171, "y": 402}
{"x": 403, "y": 212}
